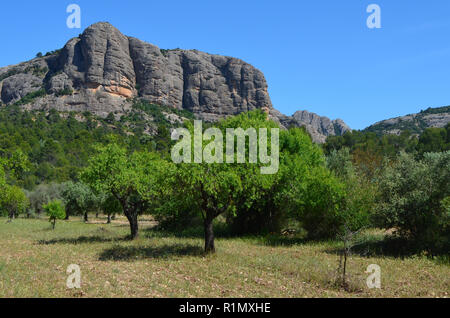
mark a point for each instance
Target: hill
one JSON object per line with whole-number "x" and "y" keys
{"x": 414, "y": 123}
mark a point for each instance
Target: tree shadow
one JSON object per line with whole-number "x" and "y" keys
{"x": 280, "y": 240}
{"x": 396, "y": 247}
{"x": 83, "y": 240}
{"x": 131, "y": 253}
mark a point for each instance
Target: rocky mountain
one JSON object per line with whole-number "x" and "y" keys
{"x": 103, "y": 71}
{"x": 415, "y": 123}
{"x": 319, "y": 127}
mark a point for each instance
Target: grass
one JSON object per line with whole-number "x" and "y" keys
{"x": 34, "y": 259}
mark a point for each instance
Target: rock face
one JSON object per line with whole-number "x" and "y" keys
{"x": 103, "y": 69}
{"x": 318, "y": 127}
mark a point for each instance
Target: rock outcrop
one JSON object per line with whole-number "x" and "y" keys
{"x": 319, "y": 127}
{"x": 103, "y": 69}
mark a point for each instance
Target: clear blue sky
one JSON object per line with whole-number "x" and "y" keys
{"x": 316, "y": 55}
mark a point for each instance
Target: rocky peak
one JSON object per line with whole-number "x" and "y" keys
{"x": 103, "y": 69}
{"x": 319, "y": 127}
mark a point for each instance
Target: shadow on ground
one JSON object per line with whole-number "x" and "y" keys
{"x": 83, "y": 240}
{"x": 130, "y": 253}
{"x": 279, "y": 240}
{"x": 390, "y": 247}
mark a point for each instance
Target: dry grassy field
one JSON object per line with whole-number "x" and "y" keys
{"x": 34, "y": 260}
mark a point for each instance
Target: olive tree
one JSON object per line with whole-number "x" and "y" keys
{"x": 412, "y": 199}
{"x": 79, "y": 199}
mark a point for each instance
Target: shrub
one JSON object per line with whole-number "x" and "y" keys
{"x": 31, "y": 97}
{"x": 414, "y": 200}
{"x": 43, "y": 194}
{"x": 64, "y": 92}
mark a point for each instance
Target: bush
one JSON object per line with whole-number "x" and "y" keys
{"x": 414, "y": 200}
{"x": 64, "y": 92}
{"x": 43, "y": 194}
{"x": 358, "y": 204}
{"x": 27, "y": 99}
{"x": 55, "y": 211}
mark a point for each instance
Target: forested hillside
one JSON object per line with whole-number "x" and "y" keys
{"x": 59, "y": 144}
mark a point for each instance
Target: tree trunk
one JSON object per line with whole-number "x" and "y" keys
{"x": 209, "y": 236}
{"x": 134, "y": 226}
{"x": 109, "y": 219}
{"x": 54, "y": 223}
{"x": 86, "y": 219}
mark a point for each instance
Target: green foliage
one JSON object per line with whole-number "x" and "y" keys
{"x": 413, "y": 199}
{"x": 58, "y": 145}
{"x": 415, "y": 124}
{"x": 13, "y": 201}
{"x": 110, "y": 206}
{"x": 365, "y": 141}
{"x": 157, "y": 111}
{"x": 303, "y": 189}
{"x": 55, "y": 211}
{"x": 30, "y": 97}
{"x": 133, "y": 179}
{"x": 436, "y": 110}
{"x": 64, "y": 92}
{"x": 9, "y": 74}
{"x": 434, "y": 140}
{"x": 43, "y": 194}
{"x": 358, "y": 204}
{"x": 53, "y": 52}
{"x": 36, "y": 70}
{"x": 79, "y": 198}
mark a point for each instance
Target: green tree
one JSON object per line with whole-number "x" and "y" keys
{"x": 55, "y": 211}
{"x": 133, "y": 179}
{"x": 79, "y": 199}
{"x": 214, "y": 189}
{"x": 434, "y": 140}
{"x": 358, "y": 204}
{"x": 111, "y": 206}
{"x": 411, "y": 196}
{"x": 14, "y": 201}
{"x": 43, "y": 194}
{"x": 308, "y": 191}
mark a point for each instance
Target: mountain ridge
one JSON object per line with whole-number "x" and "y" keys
{"x": 415, "y": 123}
{"x": 102, "y": 71}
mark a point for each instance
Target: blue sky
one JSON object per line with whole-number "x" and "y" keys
{"x": 316, "y": 55}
